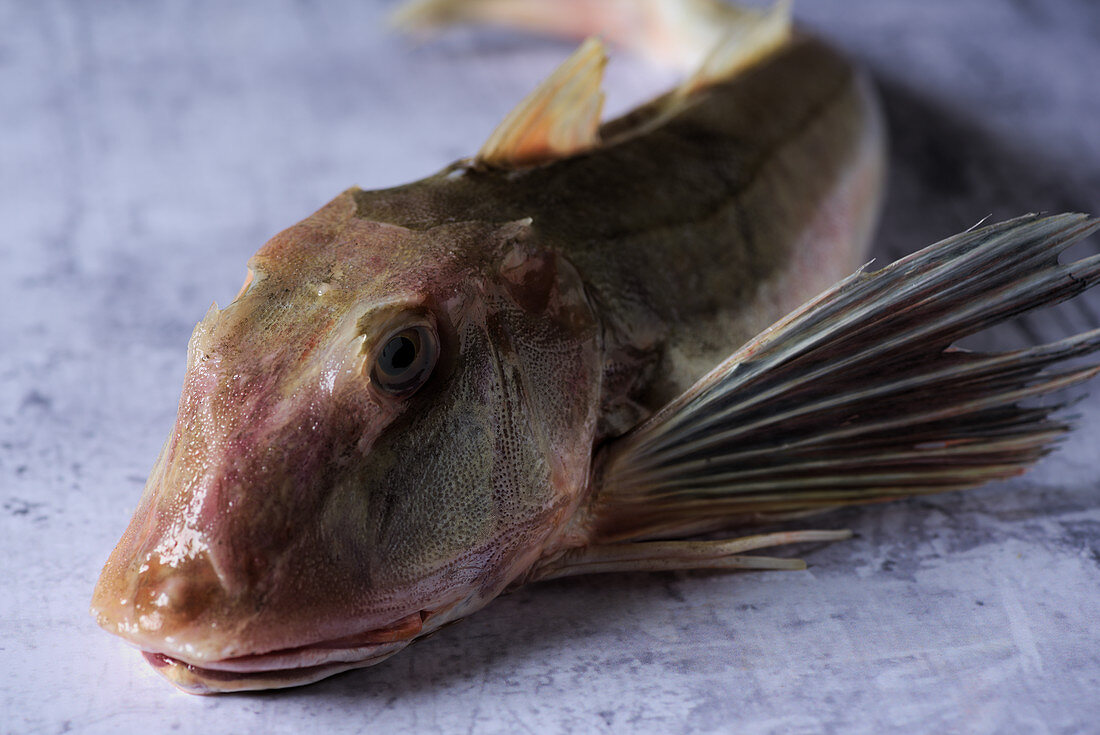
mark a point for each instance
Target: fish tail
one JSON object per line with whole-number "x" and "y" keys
{"x": 708, "y": 37}
{"x": 561, "y": 117}
{"x": 860, "y": 395}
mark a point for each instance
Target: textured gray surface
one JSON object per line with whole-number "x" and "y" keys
{"x": 147, "y": 149}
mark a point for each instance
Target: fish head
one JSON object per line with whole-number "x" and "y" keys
{"x": 383, "y": 430}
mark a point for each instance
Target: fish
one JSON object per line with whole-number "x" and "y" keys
{"x": 593, "y": 347}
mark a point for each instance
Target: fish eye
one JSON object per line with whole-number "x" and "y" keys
{"x": 405, "y": 361}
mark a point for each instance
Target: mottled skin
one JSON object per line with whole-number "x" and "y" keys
{"x": 300, "y": 522}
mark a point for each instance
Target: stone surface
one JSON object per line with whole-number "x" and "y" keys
{"x": 147, "y": 149}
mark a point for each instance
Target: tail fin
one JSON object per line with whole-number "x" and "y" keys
{"x": 680, "y": 33}
{"x": 562, "y": 116}
{"x": 859, "y": 396}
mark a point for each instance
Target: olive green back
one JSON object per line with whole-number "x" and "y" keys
{"x": 686, "y": 211}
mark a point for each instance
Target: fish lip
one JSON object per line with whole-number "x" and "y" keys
{"x": 293, "y": 658}
{"x": 360, "y": 646}
{"x": 287, "y": 667}
{"x": 202, "y": 680}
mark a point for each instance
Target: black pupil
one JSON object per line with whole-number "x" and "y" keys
{"x": 398, "y": 355}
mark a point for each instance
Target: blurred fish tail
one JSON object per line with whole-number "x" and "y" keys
{"x": 710, "y": 37}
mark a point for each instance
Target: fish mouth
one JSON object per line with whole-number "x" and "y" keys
{"x": 288, "y": 667}
{"x": 208, "y": 680}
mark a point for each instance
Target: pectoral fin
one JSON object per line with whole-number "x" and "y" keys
{"x": 859, "y": 396}
{"x": 664, "y": 556}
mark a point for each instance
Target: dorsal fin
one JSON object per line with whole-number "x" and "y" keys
{"x": 560, "y": 118}
{"x": 753, "y": 36}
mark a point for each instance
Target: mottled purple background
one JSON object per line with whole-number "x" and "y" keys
{"x": 148, "y": 148}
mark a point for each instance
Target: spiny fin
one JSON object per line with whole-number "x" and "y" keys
{"x": 858, "y": 395}
{"x": 560, "y": 118}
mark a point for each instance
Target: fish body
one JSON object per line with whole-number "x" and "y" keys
{"x": 772, "y": 179}
{"x": 425, "y": 395}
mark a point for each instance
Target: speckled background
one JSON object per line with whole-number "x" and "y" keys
{"x": 148, "y": 148}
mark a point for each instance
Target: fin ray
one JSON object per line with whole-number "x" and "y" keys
{"x": 858, "y": 396}
{"x": 653, "y": 556}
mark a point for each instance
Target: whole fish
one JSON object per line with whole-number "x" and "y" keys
{"x": 525, "y": 366}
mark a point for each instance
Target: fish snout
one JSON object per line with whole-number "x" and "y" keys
{"x": 171, "y": 598}
{"x": 161, "y": 607}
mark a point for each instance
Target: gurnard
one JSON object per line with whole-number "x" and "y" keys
{"x": 526, "y": 366}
